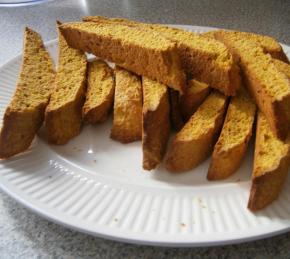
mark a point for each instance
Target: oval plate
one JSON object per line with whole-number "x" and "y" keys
{"x": 97, "y": 186}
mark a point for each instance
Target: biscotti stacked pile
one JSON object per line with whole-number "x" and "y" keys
{"x": 210, "y": 88}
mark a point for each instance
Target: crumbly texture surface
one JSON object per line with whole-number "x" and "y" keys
{"x": 267, "y": 84}
{"x": 155, "y": 122}
{"x": 140, "y": 51}
{"x": 195, "y": 94}
{"x": 176, "y": 117}
{"x": 271, "y": 163}
{"x": 24, "y": 115}
{"x": 233, "y": 140}
{"x": 283, "y": 67}
{"x": 127, "y": 121}
{"x": 193, "y": 144}
{"x": 63, "y": 116}
{"x": 100, "y": 92}
{"x": 203, "y": 58}
{"x": 269, "y": 44}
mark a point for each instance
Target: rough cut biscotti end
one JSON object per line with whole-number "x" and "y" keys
{"x": 271, "y": 163}
{"x": 155, "y": 122}
{"x": 100, "y": 92}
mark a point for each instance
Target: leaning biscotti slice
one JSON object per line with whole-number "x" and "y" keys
{"x": 271, "y": 164}
{"x": 193, "y": 97}
{"x": 267, "y": 84}
{"x": 24, "y": 115}
{"x": 155, "y": 122}
{"x": 204, "y": 59}
{"x": 100, "y": 92}
{"x": 63, "y": 115}
{"x": 233, "y": 140}
{"x": 140, "y": 51}
{"x": 127, "y": 121}
{"x": 269, "y": 44}
{"x": 283, "y": 67}
{"x": 194, "y": 142}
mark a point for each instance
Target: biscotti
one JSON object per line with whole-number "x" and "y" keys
{"x": 193, "y": 144}
{"x": 271, "y": 163}
{"x": 283, "y": 67}
{"x": 193, "y": 97}
{"x": 155, "y": 123}
{"x": 100, "y": 92}
{"x": 140, "y": 51}
{"x": 63, "y": 116}
{"x": 24, "y": 115}
{"x": 232, "y": 144}
{"x": 127, "y": 121}
{"x": 267, "y": 84}
{"x": 269, "y": 44}
{"x": 202, "y": 58}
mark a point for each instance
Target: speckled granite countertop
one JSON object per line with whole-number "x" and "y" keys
{"x": 24, "y": 234}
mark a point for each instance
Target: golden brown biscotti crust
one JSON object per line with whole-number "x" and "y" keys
{"x": 127, "y": 121}
{"x": 233, "y": 140}
{"x": 194, "y": 142}
{"x": 271, "y": 164}
{"x": 100, "y": 92}
{"x": 269, "y": 44}
{"x": 142, "y": 52}
{"x": 24, "y": 115}
{"x": 266, "y": 83}
{"x": 195, "y": 94}
{"x": 155, "y": 122}
{"x": 204, "y": 59}
{"x": 63, "y": 115}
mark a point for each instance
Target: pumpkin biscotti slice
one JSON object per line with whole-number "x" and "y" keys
{"x": 63, "y": 115}
{"x": 127, "y": 121}
{"x": 268, "y": 85}
{"x": 203, "y": 59}
{"x": 233, "y": 140}
{"x": 156, "y": 122}
{"x": 194, "y": 142}
{"x": 193, "y": 97}
{"x": 269, "y": 44}
{"x": 24, "y": 115}
{"x": 100, "y": 92}
{"x": 271, "y": 164}
{"x": 141, "y": 51}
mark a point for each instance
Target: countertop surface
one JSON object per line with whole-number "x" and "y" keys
{"x": 26, "y": 235}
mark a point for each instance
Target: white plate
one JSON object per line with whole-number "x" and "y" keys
{"x": 96, "y": 185}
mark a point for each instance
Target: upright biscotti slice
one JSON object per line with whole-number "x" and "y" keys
{"x": 283, "y": 67}
{"x": 127, "y": 121}
{"x": 100, "y": 92}
{"x": 24, "y": 115}
{"x": 271, "y": 163}
{"x": 193, "y": 97}
{"x": 63, "y": 116}
{"x": 156, "y": 122}
{"x": 269, "y": 44}
{"x": 176, "y": 118}
{"x": 140, "y": 51}
{"x": 204, "y": 59}
{"x": 267, "y": 84}
{"x": 194, "y": 142}
{"x": 233, "y": 140}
